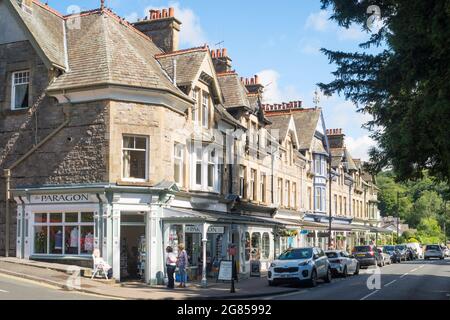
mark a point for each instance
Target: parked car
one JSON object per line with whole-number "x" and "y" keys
{"x": 394, "y": 254}
{"x": 403, "y": 253}
{"x": 417, "y": 248}
{"x": 342, "y": 263}
{"x": 367, "y": 256}
{"x": 386, "y": 257}
{"x": 446, "y": 252}
{"x": 300, "y": 265}
{"x": 433, "y": 251}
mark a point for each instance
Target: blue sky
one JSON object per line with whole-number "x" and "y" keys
{"x": 278, "y": 41}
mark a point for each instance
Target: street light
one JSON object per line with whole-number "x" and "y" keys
{"x": 398, "y": 212}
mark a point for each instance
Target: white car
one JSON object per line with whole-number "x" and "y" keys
{"x": 342, "y": 263}
{"x": 433, "y": 251}
{"x": 446, "y": 252}
{"x": 300, "y": 265}
{"x": 417, "y": 247}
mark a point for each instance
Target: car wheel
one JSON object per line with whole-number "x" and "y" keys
{"x": 345, "y": 273}
{"x": 328, "y": 277}
{"x": 356, "y": 270}
{"x": 271, "y": 283}
{"x": 313, "y": 280}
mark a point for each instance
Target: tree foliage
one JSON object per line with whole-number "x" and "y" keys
{"x": 405, "y": 87}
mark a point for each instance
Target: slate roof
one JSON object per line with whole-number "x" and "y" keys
{"x": 317, "y": 146}
{"x": 188, "y": 64}
{"x": 46, "y": 28}
{"x": 107, "y": 51}
{"x": 306, "y": 121}
{"x": 280, "y": 122}
{"x": 234, "y": 92}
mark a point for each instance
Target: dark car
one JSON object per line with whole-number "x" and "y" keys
{"x": 393, "y": 253}
{"x": 367, "y": 256}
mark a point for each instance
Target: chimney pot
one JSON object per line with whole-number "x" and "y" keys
{"x": 159, "y": 14}
{"x": 252, "y": 80}
{"x": 224, "y": 52}
{"x": 213, "y": 53}
{"x": 256, "y": 79}
{"x": 164, "y": 13}
{"x": 218, "y": 53}
{"x": 171, "y": 12}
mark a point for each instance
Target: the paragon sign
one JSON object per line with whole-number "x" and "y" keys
{"x": 58, "y": 198}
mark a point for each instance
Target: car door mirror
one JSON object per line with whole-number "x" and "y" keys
{"x": 351, "y": 256}
{"x": 316, "y": 256}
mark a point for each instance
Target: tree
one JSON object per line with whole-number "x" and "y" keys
{"x": 387, "y": 197}
{"x": 405, "y": 87}
{"x": 429, "y": 231}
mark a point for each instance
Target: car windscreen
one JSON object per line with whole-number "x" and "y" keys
{"x": 433, "y": 248}
{"x": 362, "y": 249}
{"x": 295, "y": 254}
{"x": 388, "y": 248}
{"x": 332, "y": 255}
{"x": 400, "y": 247}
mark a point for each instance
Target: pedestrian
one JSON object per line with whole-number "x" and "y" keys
{"x": 171, "y": 265}
{"x": 182, "y": 263}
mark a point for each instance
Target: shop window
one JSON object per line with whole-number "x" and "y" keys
{"x": 256, "y": 246}
{"x": 265, "y": 246}
{"x": 247, "y": 246}
{"x": 134, "y": 157}
{"x": 20, "y": 90}
{"x": 64, "y": 233}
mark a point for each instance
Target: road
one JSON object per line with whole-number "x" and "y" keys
{"x": 13, "y": 288}
{"x": 414, "y": 280}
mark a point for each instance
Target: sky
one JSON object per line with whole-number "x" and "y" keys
{"x": 278, "y": 41}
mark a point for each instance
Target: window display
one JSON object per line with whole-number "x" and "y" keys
{"x": 265, "y": 246}
{"x": 256, "y": 246}
{"x": 64, "y": 233}
{"x": 247, "y": 246}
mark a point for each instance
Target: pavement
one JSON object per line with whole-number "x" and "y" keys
{"x": 412, "y": 280}
{"x": 60, "y": 276}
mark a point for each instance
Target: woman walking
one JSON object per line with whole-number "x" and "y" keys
{"x": 182, "y": 263}
{"x": 171, "y": 264}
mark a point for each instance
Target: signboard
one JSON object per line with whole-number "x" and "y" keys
{"x": 255, "y": 268}
{"x": 61, "y": 198}
{"x": 323, "y": 234}
{"x": 304, "y": 232}
{"x": 225, "y": 270}
{"x": 198, "y": 229}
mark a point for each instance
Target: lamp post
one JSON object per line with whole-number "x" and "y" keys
{"x": 329, "y": 200}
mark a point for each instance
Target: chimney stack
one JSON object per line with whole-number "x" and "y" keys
{"x": 336, "y": 138}
{"x": 162, "y": 27}
{"x": 221, "y": 60}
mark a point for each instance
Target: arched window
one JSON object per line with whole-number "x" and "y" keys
{"x": 247, "y": 246}
{"x": 265, "y": 246}
{"x": 256, "y": 246}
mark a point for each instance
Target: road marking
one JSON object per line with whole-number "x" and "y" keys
{"x": 388, "y": 284}
{"x": 370, "y": 294}
{"x": 414, "y": 269}
{"x": 404, "y": 275}
{"x": 4, "y": 291}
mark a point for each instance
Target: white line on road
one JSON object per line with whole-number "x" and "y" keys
{"x": 404, "y": 275}
{"x": 4, "y": 291}
{"x": 388, "y": 284}
{"x": 370, "y": 294}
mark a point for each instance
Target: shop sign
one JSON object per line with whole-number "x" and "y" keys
{"x": 255, "y": 268}
{"x": 323, "y": 234}
{"x": 198, "y": 229}
{"x": 225, "y": 270}
{"x": 60, "y": 198}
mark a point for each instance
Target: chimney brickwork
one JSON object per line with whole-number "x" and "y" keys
{"x": 335, "y": 138}
{"x": 221, "y": 60}
{"x": 162, "y": 27}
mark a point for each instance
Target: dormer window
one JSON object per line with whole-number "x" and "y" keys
{"x": 195, "y": 109}
{"x": 20, "y": 90}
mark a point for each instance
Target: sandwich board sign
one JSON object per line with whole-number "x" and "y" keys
{"x": 225, "y": 270}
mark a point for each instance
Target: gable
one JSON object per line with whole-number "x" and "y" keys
{"x": 11, "y": 31}
{"x": 207, "y": 67}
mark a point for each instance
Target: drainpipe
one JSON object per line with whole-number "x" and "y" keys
{"x": 7, "y": 174}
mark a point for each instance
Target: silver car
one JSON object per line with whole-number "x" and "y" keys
{"x": 300, "y": 265}
{"x": 433, "y": 251}
{"x": 342, "y": 263}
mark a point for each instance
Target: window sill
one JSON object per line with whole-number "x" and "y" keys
{"x": 142, "y": 183}
{"x": 8, "y": 112}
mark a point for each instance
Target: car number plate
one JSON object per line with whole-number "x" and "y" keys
{"x": 361, "y": 255}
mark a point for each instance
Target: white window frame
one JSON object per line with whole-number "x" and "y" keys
{"x": 178, "y": 159}
{"x": 204, "y": 161}
{"x": 147, "y": 144}
{"x": 205, "y": 110}
{"x": 253, "y": 186}
{"x": 63, "y": 224}
{"x": 13, "y": 88}
{"x": 242, "y": 181}
{"x": 262, "y": 187}
{"x": 196, "y": 108}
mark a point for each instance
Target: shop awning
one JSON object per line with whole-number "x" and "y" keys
{"x": 380, "y": 230}
{"x": 190, "y": 215}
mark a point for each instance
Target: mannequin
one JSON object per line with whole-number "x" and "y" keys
{"x": 89, "y": 242}
{"x": 58, "y": 240}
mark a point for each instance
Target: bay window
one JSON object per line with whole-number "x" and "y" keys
{"x": 20, "y": 90}
{"x": 134, "y": 157}
{"x": 205, "y": 169}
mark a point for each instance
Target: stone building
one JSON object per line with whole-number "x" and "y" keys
{"x": 113, "y": 138}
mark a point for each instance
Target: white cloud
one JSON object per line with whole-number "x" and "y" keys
{"x": 318, "y": 21}
{"x": 132, "y": 17}
{"x": 191, "y": 34}
{"x": 273, "y": 92}
{"x": 352, "y": 33}
{"x": 360, "y": 146}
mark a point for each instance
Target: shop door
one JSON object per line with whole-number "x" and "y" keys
{"x": 133, "y": 250}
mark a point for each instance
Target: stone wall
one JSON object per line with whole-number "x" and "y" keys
{"x": 76, "y": 154}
